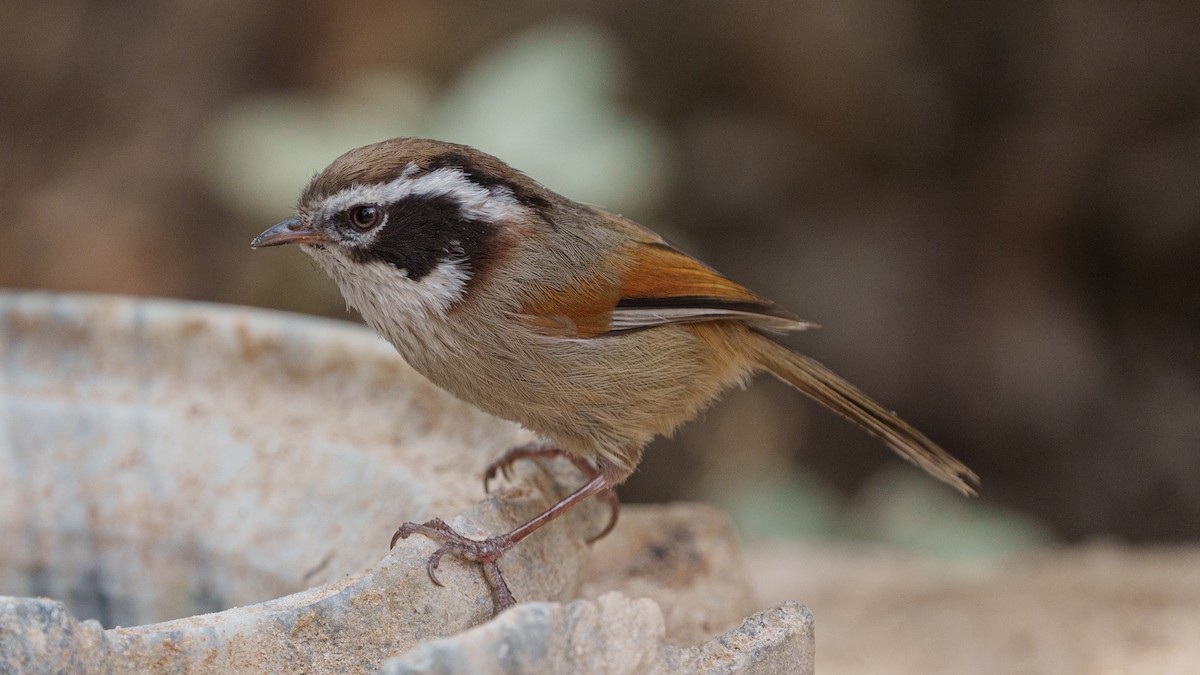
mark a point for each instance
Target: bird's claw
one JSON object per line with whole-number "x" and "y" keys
{"x": 487, "y": 551}
{"x": 483, "y": 551}
{"x": 432, "y": 565}
{"x": 503, "y": 466}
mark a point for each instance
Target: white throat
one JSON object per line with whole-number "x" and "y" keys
{"x": 387, "y": 299}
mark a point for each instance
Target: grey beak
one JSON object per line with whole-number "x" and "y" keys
{"x": 290, "y": 231}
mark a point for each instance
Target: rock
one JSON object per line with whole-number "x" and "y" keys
{"x": 38, "y": 635}
{"x": 161, "y": 459}
{"x": 355, "y": 624}
{"x": 350, "y": 625}
{"x": 613, "y": 634}
{"x": 162, "y": 462}
{"x": 684, "y": 557}
{"x": 1097, "y": 607}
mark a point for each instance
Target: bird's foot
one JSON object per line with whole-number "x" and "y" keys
{"x": 537, "y": 451}
{"x": 487, "y": 551}
{"x": 483, "y": 551}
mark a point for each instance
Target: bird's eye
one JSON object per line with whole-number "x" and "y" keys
{"x": 365, "y": 217}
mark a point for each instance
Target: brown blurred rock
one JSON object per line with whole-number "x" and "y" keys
{"x": 1098, "y": 608}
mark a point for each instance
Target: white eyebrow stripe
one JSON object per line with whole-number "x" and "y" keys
{"x": 477, "y": 202}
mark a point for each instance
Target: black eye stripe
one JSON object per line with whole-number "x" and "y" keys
{"x": 423, "y": 232}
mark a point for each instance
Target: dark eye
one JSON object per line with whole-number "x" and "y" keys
{"x": 365, "y": 217}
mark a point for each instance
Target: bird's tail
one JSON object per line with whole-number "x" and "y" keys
{"x": 830, "y": 390}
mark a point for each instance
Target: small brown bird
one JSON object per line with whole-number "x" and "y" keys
{"x": 581, "y": 325}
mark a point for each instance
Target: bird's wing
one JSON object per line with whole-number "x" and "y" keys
{"x": 650, "y": 283}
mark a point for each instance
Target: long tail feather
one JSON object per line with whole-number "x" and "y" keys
{"x": 830, "y": 390}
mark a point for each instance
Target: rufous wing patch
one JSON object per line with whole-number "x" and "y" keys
{"x": 650, "y": 283}
{"x": 656, "y": 270}
{"x": 660, "y": 284}
{"x": 583, "y": 310}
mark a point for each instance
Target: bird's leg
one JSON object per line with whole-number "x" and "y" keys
{"x": 542, "y": 451}
{"x": 488, "y": 551}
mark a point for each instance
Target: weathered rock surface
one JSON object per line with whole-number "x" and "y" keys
{"x": 354, "y": 625}
{"x": 684, "y": 557}
{"x": 162, "y": 462}
{"x": 613, "y": 634}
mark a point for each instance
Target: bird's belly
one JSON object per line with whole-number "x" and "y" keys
{"x": 602, "y": 398}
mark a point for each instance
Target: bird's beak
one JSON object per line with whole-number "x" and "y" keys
{"x": 290, "y": 231}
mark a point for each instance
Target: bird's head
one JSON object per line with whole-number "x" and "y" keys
{"x": 414, "y": 219}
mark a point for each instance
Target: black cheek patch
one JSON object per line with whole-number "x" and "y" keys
{"x": 423, "y": 232}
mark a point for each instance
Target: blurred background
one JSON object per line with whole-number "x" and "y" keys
{"x": 994, "y": 211}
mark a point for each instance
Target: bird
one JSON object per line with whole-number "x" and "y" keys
{"x": 582, "y": 326}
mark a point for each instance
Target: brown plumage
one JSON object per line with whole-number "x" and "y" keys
{"x": 583, "y": 326}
